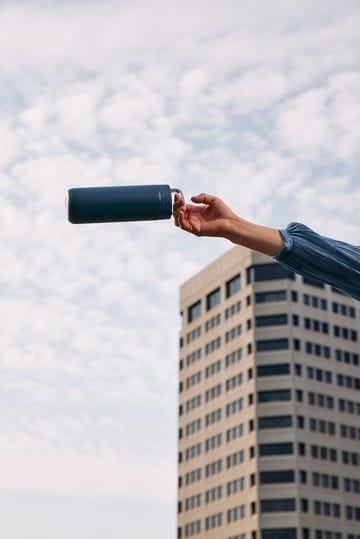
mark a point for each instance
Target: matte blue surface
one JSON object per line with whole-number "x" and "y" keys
{"x": 119, "y": 203}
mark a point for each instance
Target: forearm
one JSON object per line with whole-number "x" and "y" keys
{"x": 259, "y": 238}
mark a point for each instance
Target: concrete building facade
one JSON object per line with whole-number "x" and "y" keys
{"x": 269, "y": 405}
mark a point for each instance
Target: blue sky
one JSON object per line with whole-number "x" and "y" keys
{"x": 258, "y": 102}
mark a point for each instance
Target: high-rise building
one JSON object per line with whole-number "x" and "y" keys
{"x": 269, "y": 405}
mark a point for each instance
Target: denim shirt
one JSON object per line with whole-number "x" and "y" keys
{"x": 330, "y": 261}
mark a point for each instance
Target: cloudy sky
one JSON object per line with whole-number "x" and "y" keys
{"x": 256, "y": 101}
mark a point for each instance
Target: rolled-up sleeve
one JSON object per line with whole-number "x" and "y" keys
{"x": 331, "y": 261}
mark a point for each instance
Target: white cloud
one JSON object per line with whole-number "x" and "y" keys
{"x": 246, "y": 92}
{"x": 323, "y": 123}
{"x": 8, "y": 146}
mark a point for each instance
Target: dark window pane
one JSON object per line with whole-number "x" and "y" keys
{"x": 277, "y": 505}
{"x": 267, "y": 297}
{"x": 233, "y": 286}
{"x": 275, "y": 422}
{"x": 282, "y": 448}
{"x": 278, "y": 476}
{"x": 272, "y": 344}
{"x": 213, "y": 299}
{"x": 274, "y": 395}
{"x": 271, "y": 320}
{"x": 277, "y": 369}
{"x": 194, "y": 311}
{"x": 278, "y": 533}
{"x": 268, "y": 272}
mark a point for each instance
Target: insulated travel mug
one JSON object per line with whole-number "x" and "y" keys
{"x": 120, "y": 203}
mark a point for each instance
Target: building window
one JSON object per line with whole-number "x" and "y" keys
{"x": 213, "y": 392}
{"x": 278, "y": 533}
{"x": 193, "y": 528}
{"x": 268, "y": 297}
{"x": 277, "y": 369}
{"x": 212, "y": 345}
{"x": 237, "y": 513}
{"x": 193, "y": 476}
{"x": 275, "y": 422}
{"x": 213, "y": 368}
{"x": 213, "y": 442}
{"x": 267, "y": 272}
{"x": 302, "y": 449}
{"x": 233, "y": 285}
{"x": 214, "y": 521}
{"x": 213, "y": 468}
{"x": 300, "y": 422}
{"x": 193, "y": 502}
{"x": 276, "y": 449}
{"x": 213, "y": 417}
{"x": 214, "y": 494}
{"x": 232, "y": 310}
{"x": 234, "y": 381}
{"x": 234, "y": 407}
{"x": 235, "y": 486}
{"x": 304, "y": 505}
{"x": 272, "y": 345}
{"x": 303, "y": 477}
{"x": 274, "y": 395}
{"x": 234, "y": 357}
{"x": 235, "y": 432}
{"x": 271, "y": 320}
{"x": 212, "y": 322}
{"x": 277, "y": 476}
{"x": 235, "y": 459}
{"x": 233, "y": 333}
{"x": 278, "y": 505}
{"x": 194, "y": 311}
{"x": 213, "y": 299}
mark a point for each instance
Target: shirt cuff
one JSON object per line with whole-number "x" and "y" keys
{"x": 286, "y": 248}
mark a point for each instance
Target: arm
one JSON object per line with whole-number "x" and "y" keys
{"x": 297, "y": 248}
{"x": 214, "y": 218}
{"x": 331, "y": 261}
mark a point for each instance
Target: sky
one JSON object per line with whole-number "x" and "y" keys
{"x": 257, "y": 102}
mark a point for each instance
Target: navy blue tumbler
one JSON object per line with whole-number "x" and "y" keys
{"x": 120, "y": 203}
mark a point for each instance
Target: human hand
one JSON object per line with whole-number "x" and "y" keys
{"x": 209, "y": 216}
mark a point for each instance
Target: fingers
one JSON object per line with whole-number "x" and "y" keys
{"x": 184, "y": 222}
{"x": 204, "y": 198}
{"x": 179, "y": 209}
{"x": 181, "y": 220}
{"x": 176, "y": 219}
{"x": 177, "y": 206}
{"x": 179, "y": 202}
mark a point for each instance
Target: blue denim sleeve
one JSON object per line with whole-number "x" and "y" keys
{"x": 318, "y": 257}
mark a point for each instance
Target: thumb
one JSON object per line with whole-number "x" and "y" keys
{"x": 203, "y": 198}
